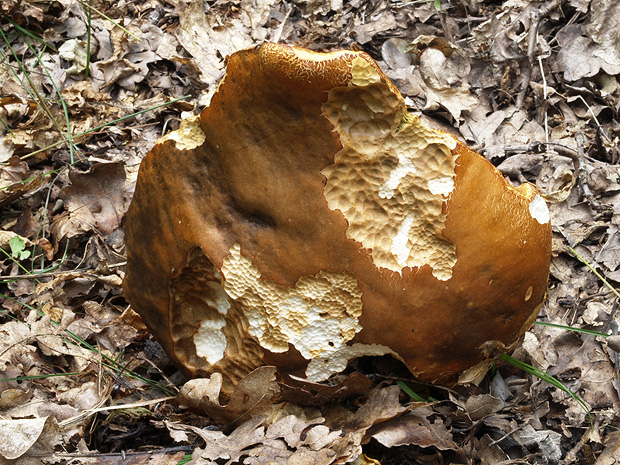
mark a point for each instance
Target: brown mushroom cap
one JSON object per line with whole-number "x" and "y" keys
{"x": 306, "y": 219}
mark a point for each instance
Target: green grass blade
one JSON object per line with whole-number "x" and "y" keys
{"x": 549, "y": 379}
{"x": 89, "y": 17}
{"x": 101, "y": 126}
{"x": 570, "y": 328}
{"x": 410, "y": 392}
{"x": 49, "y": 375}
{"x": 598, "y": 275}
{"x": 111, "y": 20}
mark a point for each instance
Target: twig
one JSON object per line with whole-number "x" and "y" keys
{"x": 582, "y": 175}
{"x": 87, "y": 413}
{"x": 56, "y": 274}
{"x": 577, "y": 156}
{"x": 531, "y": 48}
{"x": 536, "y": 18}
{"x": 278, "y": 34}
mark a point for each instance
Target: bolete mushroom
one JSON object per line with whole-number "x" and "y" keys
{"x": 305, "y": 219}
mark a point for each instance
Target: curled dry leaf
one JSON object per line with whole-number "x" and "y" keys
{"x": 586, "y": 49}
{"x": 16, "y": 180}
{"x": 416, "y": 428}
{"x": 613, "y": 342}
{"x": 547, "y": 441}
{"x": 444, "y": 69}
{"x": 611, "y": 454}
{"x": 209, "y": 41}
{"x": 336, "y": 438}
{"x": 95, "y": 200}
{"x": 307, "y": 393}
{"x": 18, "y": 436}
{"x": 5, "y": 240}
{"x": 252, "y": 396}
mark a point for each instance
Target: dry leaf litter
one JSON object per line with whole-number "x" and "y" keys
{"x": 531, "y": 85}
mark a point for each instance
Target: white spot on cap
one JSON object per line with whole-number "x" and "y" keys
{"x": 539, "y": 210}
{"x": 321, "y": 368}
{"x": 528, "y": 293}
{"x": 188, "y": 136}
{"x": 220, "y": 300}
{"x": 316, "y": 316}
{"x": 210, "y": 340}
{"x": 400, "y": 242}
{"x": 441, "y": 186}
{"x": 404, "y": 168}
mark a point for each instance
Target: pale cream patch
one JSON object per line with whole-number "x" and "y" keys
{"x": 539, "y": 210}
{"x": 321, "y": 368}
{"x": 392, "y": 176}
{"x": 220, "y": 300}
{"x": 210, "y": 340}
{"x": 362, "y": 73}
{"x": 317, "y": 316}
{"x": 441, "y": 186}
{"x": 188, "y": 136}
{"x": 314, "y": 57}
{"x": 400, "y": 243}
{"x": 404, "y": 168}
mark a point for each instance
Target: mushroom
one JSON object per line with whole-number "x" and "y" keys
{"x": 305, "y": 219}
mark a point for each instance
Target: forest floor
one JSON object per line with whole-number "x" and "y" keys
{"x": 531, "y": 85}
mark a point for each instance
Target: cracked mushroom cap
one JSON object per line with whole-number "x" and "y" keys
{"x": 306, "y": 219}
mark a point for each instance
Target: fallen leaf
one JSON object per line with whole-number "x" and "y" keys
{"x": 252, "y": 396}
{"x": 611, "y": 453}
{"x": 444, "y": 69}
{"x": 586, "y": 49}
{"x": 335, "y": 438}
{"x": 18, "y": 436}
{"x": 478, "y": 407}
{"x": 414, "y": 428}
{"x": 545, "y": 441}
{"x": 95, "y": 200}
{"x": 308, "y": 393}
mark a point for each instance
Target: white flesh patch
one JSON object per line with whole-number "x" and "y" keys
{"x": 404, "y": 168}
{"x": 400, "y": 243}
{"x": 321, "y": 368}
{"x": 188, "y": 136}
{"x": 221, "y": 303}
{"x": 539, "y": 210}
{"x": 391, "y": 178}
{"x": 441, "y": 186}
{"x": 210, "y": 340}
{"x": 317, "y": 316}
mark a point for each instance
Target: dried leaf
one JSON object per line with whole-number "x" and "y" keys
{"x": 613, "y": 342}
{"x": 18, "y": 436}
{"x": 210, "y": 41}
{"x": 252, "y": 396}
{"x": 546, "y": 441}
{"x": 294, "y": 440}
{"x": 96, "y": 200}
{"x": 414, "y": 428}
{"x": 611, "y": 453}
{"x": 6, "y": 236}
{"x": 478, "y": 407}
{"x": 308, "y": 393}
{"x": 444, "y": 69}
{"x": 587, "y": 49}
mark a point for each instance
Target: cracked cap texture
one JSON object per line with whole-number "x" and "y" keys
{"x": 305, "y": 219}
